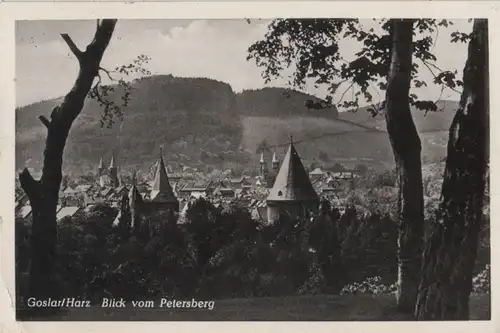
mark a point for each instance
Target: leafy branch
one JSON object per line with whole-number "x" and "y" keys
{"x": 104, "y": 94}
{"x": 311, "y": 47}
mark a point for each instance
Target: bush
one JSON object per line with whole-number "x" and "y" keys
{"x": 481, "y": 283}
{"x": 368, "y": 246}
{"x": 371, "y": 285}
{"x": 224, "y": 253}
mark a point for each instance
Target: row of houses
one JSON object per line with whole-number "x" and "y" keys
{"x": 25, "y": 212}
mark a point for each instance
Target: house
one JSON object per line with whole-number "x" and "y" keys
{"x": 106, "y": 192}
{"x": 224, "y": 192}
{"x": 22, "y": 200}
{"x": 197, "y": 190}
{"x": 119, "y": 193}
{"x": 69, "y": 211}
{"x": 316, "y": 173}
{"x": 24, "y": 212}
{"x": 240, "y": 192}
{"x": 174, "y": 176}
{"x": 238, "y": 182}
{"x": 83, "y": 188}
{"x": 330, "y": 190}
{"x": 342, "y": 175}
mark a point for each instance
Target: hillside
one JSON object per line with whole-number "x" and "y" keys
{"x": 279, "y": 103}
{"x": 425, "y": 122}
{"x": 202, "y": 122}
{"x": 185, "y": 116}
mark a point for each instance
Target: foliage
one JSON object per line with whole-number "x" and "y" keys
{"x": 371, "y": 285}
{"x": 101, "y": 93}
{"x": 481, "y": 283}
{"x": 311, "y": 47}
{"x": 223, "y": 253}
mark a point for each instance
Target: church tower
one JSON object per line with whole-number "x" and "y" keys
{"x": 275, "y": 162}
{"x": 162, "y": 196}
{"x": 113, "y": 172}
{"x": 263, "y": 166}
{"x": 101, "y": 168}
{"x": 135, "y": 203}
{"x": 292, "y": 192}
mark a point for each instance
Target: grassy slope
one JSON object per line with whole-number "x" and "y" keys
{"x": 293, "y": 308}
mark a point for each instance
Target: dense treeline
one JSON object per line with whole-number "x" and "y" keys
{"x": 220, "y": 253}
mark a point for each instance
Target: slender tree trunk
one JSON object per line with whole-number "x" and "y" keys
{"x": 406, "y": 147}
{"x": 43, "y": 194}
{"x": 451, "y": 250}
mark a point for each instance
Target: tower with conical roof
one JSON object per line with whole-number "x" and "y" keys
{"x": 162, "y": 196}
{"x": 292, "y": 192}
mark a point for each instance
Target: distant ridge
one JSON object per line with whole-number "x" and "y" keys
{"x": 203, "y": 123}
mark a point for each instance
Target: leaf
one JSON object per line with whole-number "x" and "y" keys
{"x": 459, "y": 37}
{"x": 419, "y": 83}
{"x": 425, "y": 105}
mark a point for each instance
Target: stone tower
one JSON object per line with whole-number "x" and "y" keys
{"x": 101, "y": 168}
{"x": 292, "y": 192}
{"x": 275, "y": 162}
{"x": 135, "y": 204}
{"x": 263, "y": 166}
{"x": 113, "y": 172}
{"x": 162, "y": 196}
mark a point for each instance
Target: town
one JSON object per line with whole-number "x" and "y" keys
{"x": 277, "y": 179}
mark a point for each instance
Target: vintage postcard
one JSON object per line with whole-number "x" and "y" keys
{"x": 270, "y": 163}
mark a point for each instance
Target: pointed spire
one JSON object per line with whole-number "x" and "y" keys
{"x": 275, "y": 162}
{"x": 101, "y": 164}
{"x": 112, "y": 163}
{"x": 161, "y": 190}
{"x": 275, "y": 159}
{"x": 292, "y": 182}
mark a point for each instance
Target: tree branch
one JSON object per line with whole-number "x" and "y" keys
{"x": 95, "y": 91}
{"x": 108, "y": 73}
{"x": 72, "y": 46}
{"x": 427, "y": 64}
{"x": 345, "y": 91}
{"x": 45, "y": 121}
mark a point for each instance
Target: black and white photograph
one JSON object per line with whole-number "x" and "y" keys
{"x": 252, "y": 169}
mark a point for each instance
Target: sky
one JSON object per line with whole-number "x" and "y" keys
{"x": 217, "y": 49}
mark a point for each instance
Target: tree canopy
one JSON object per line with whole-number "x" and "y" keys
{"x": 312, "y": 48}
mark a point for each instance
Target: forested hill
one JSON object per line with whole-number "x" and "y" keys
{"x": 203, "y": 122}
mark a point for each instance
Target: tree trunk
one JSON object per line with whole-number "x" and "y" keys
{"x": 43, "y": 194}
{"x": 451, "y": 250}
{"x": 406, "y": 147}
